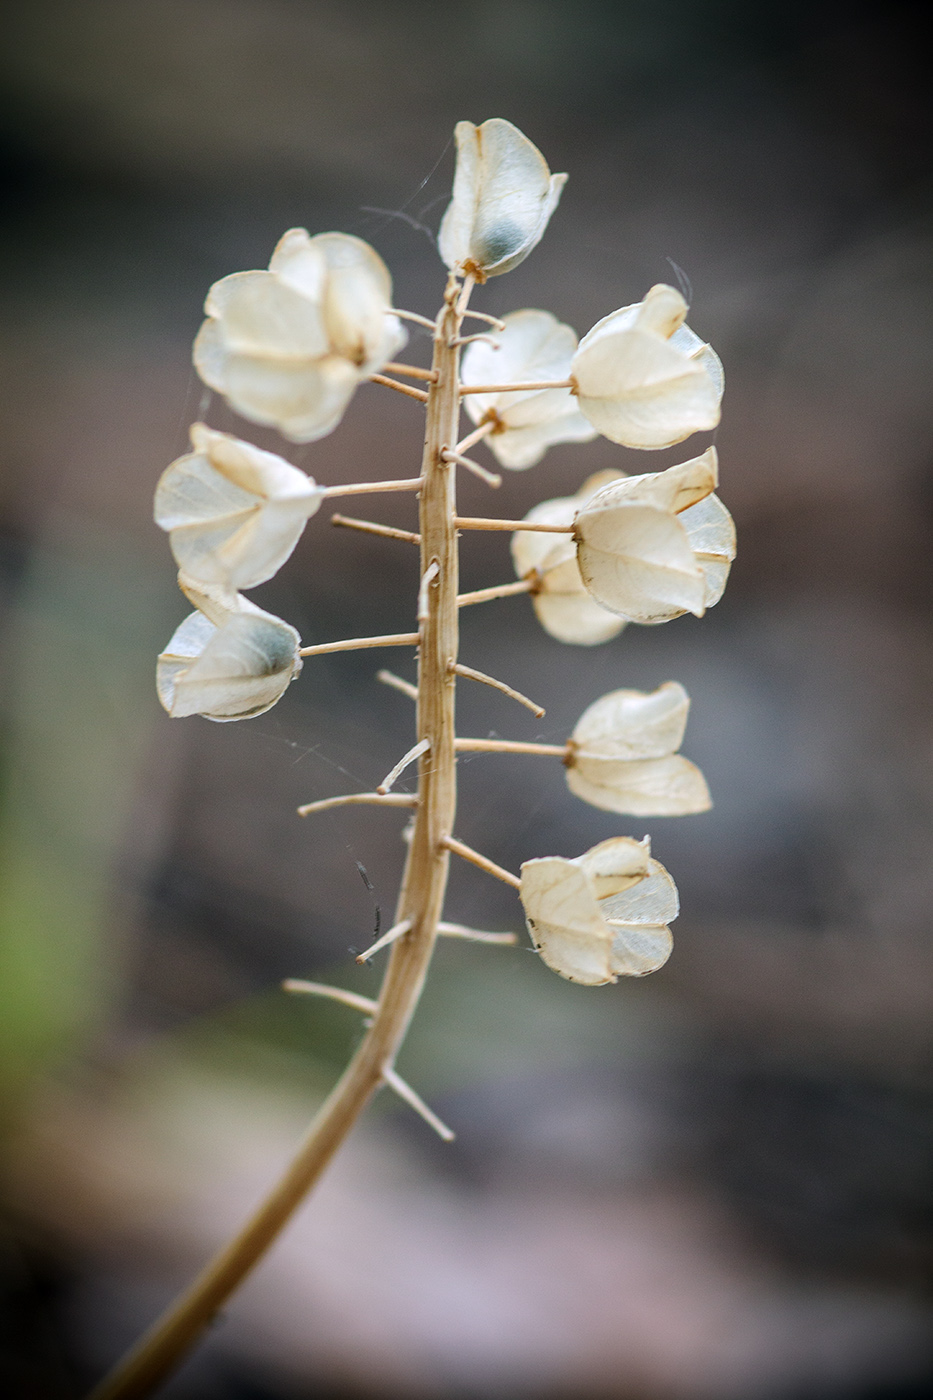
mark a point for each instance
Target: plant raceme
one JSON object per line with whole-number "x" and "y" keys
{"x": 288, "y": 347}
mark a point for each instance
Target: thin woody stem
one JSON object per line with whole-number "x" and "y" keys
{"x": 393, "y": 639}
{"x": 391, "y": 679}
{"x": 491, "y": 478}
{"x": 369, "y": 527}
{"x": 402, "y": 388}
{"x": 421, "y": 901}
{"x": 469, "y": 674}
{"x": 362, "y": 488}
{"x": 479, "y": 522}
{"x": 482, "y": 862}
{"x": 361, "y": 799}
{"x": 510, "y": 746}
{"x": 418, "y": 319}
{"x": 413, "y": 371}
{"x": 499, "y": 590}
{"x": 516, "y": 388}
{"x": 477, "y": 435}
{"x": 322, "y": 989}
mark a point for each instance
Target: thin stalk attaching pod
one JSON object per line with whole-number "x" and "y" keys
{"x": 392, "y": 639}
{"x": 414, "y": 316}
{"x": 469, "y": 674}
{"x": 467, "y": 853}
{"x": 413, "y": 371}
{"x": 422, "y": 747}
{"x": 389, "y": 678}
{"x": 477, "y": 435}
{"x": 407, "y": 1094}
{"x": 418, "y": 394}
{"x": 322, "y": 989}
{"x": 499, "y": 590}
{"x": 397, "y": 931}
{"x": 531, "y": 388}
{"x": 364, "y": 488}
{"x": 369, "y": 527}
{"x": 480, "y": 522}
{"x": 491, "y": 478}
{"x": 511, "y": 746}
{"x": 361, "y": 799}
{"x": 475, "y": 935}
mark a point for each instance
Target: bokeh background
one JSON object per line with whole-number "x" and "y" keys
{"x": 716, "y": 1184}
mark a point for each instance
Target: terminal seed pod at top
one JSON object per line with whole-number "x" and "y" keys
{"x": 603, "y": 915}
{"x": 561, "y": 602}
{"x": 643, "y": 378}
{"x": 288, "y": 347}
{"x": 653, "y": 547}
{"x": 622, "y": 755}
{"x": 533, "y": 347}
{"x": 503, "y": 196}
{"x": 233, "y": 512}
{"x": 229, "y": 660}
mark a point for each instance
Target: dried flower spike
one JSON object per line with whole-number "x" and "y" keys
{"x": 653, "y": 547}
{"x": 623, "y": 755}
{"x": 233, "y": 512}
{"x": 603, "y": 915}
{"x": 504, "y": 195}
{"x": 288, "y": 347}
{"x": 533, "y": 346}
{"x": 229, "y": 660}
{"x": 643, "y": 378}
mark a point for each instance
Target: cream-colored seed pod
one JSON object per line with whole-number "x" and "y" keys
{"x": 533, "y": 347}
{"x": 233, "y": 512}
{"x": 643, "y": 378}
{"x": 653, "y": 547}
{"x": 229, "y": 660}
{"x": 603, "y": 915}
{"x": 288, "y": 347}
{"x": 623, "y": 755}
{"x": 562, "y": 605}
{"x": 503, "y": 196}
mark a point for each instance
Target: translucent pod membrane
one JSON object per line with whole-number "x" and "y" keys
{"x": 229, "y": 660}
{"x": 561, "y": 602}
{"x": 653, "y": 547}
{"x": 623, "y": 755}
{"x": 643, "y": 378}
{"x": 287, "y": 347}
{"x": 503, "y": 196}
{"x": 603, "y": 915}
{"x": 534, "y": 347}
{"x": 233, "y": 512}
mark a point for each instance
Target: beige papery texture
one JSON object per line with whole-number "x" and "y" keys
{"x": 622, "y": 755}
{"x": 533, "y": 347}
{"x": 229, "y": 660}
{"x": 503, "y": 196}
{"x": 653, "y": 547}
{"x": 643, "y": 378}
{"x": 563, "y": 606}
{"x": 233, "y": 512}
{"x": 603, "y": 915}
{"x": 288, "y": 347}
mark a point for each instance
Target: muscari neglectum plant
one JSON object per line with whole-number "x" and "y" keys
{"x": 287, "y": 347}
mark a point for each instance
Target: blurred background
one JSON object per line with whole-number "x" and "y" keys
{"x": 716, "y": 1184}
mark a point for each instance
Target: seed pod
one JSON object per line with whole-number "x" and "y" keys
{"x": 229, "y": 660}
{"x": 503, "y": 197}
{"x": 653, "y": 547}
{"x": 233, "y": 512}
{"x": 623, "y": 755}
{"x": 288, "y": 347}
{"x": 603, "y": 915}
{"x": 645, "y": 379}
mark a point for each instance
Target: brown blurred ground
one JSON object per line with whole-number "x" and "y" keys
{"x": 716, "y": 1183}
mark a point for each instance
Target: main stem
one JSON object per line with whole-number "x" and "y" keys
{"x": 421, "y": 900}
